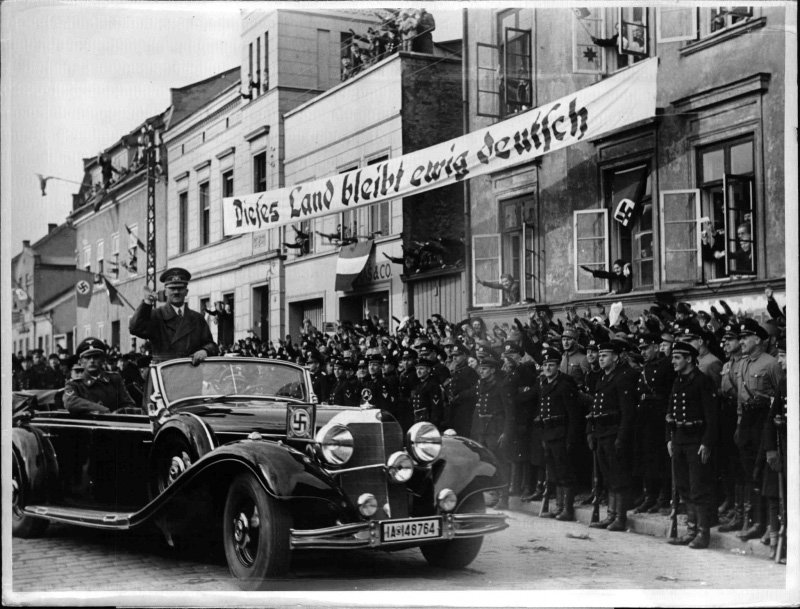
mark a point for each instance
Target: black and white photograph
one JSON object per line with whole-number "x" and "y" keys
{"x": 349, "y": 304}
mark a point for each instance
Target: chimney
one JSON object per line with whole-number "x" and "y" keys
{"x": 26, "y": 243}
{"x": 51, "y": 227}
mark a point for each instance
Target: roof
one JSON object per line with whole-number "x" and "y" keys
{"x": 187, "y": 100}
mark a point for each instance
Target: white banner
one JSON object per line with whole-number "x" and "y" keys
{"x": 623, "y": 99}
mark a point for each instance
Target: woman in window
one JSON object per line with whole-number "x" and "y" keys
{"x": 620, "y": 277}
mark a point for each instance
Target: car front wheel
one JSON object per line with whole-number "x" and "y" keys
{"x": 21, "y": 524}
{"x": 457, "y": 553}
{"x": 255, "y": 533}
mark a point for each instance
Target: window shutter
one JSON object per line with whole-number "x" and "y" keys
{"x": 590, "y": 241}
{"x": 676, "y": 23}
{"x": 486, "y": 265}
{"x": 488, "y": 84}
{"x": 680, "y": 237}
{"x": 587, "y": 57}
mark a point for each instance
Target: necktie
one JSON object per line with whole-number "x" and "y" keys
{"x": 180, "y": 312}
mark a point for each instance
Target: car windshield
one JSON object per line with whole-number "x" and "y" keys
{"x": 231, "y": 377}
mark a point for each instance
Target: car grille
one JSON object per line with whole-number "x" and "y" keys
{"x": 374, "y": 441}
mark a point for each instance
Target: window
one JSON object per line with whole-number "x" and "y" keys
{"x": 627, "y": 193}
{"x": 227, "y": 183}
{"x": 100, "y": 256}
{"x": 87, "y": 330}
{"x": 680, "y": 241}
{"x": 260, "y": 172}
{"x": 379, "y": 213}
{"x": 726, "y": 181}
{"x": 486, "y": 266}
{"x": 676, "y": 23}
{"x": 133, "y": 248}
{"x": 249, "y": 68}
{"x": 205, "y": 214}
{"x": 723, "y": 17}
{"x": 588, "y": 25}
{"x": 87, "y": 258}
{"x": 258, "y": 66}
{"x": 629, "y": 41}
{"x": 115, "y": 255}
{"x": 590, "y": 237}
{"x": 265, "y": 80}
{"x": 348, "y": 226}
{"x": 101, "y": 329}
{"x": 518, "y": 243}
{"x": 504, "y": 84}
{"x": 183, "y": 222}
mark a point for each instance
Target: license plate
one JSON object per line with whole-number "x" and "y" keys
{"x": 402, "y": 530}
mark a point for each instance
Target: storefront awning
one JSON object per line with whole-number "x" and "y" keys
{"x": 625, "y": 98}
{"x": 352, "y": 260}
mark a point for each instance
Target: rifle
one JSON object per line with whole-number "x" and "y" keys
{"x": 781, "y": 496}
{"x": 596, "y": 491}
{"x": 545, "y": 507}
{"x": 673, "y": 517}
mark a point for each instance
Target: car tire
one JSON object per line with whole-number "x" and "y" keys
{"x": 255, "y": 533}
{"x": 175, "y": 455}
{"x": 23, "y": 525}
{"x": 457, "y": 553}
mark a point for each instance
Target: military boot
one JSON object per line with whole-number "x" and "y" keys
{"x": 621, "y": 521}
{"x": 650, "y": 497}
{"x": 691, "y": 530}
{"x": 773, "y": 544}
{"x": 755, "y": 530}
{"x": 568, "y": 513}
{"x": 735, "y": 523}
{"x": 611, "y": 513}
{"x": 552, "y": 513}
{"x": 538, "y": 492}
{"x": 703, "y": 537}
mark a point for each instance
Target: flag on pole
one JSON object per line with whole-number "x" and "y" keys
{"x": 133, "y": 236}
{"x": 83, "y": 293}
{"x": 628, "y": 188}
{"x": 113, "y": 294}
{"x": 352, "y": 260}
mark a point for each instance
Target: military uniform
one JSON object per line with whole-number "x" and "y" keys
{"x": 171, "y": 335}
{"x": 729, "y": 464}
{"x": 652, "y": 394}
{"x": 461, "y": 398}
{"x": 561, "y": 419}
{"x": 575, "y": 365}
{"x": 692, "y": 421}
{"x": 758, "y": 379}
{"x": 427, "y": 401}
{"x": 610, "y": 428}
{"x": 346, "y": 392}
{"x": 102, "y": 392}
{"x": 773, "y": 457}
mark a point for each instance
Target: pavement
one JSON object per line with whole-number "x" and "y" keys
{"x": 655, "y": 525}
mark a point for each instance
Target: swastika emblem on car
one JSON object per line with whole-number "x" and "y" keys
{"x": 300, "y": 423}
{"x": 83, "y": 287}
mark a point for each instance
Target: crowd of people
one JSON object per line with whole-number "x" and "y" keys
{"x": 675, "y": 400}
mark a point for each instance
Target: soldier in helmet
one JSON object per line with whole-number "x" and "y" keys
{"x": 561, "y": 418}
{"x": 692, "y": 420}
{"x": 609, "y": 427}
{"x": 427, "y": 398}
{"x": 173, "y": 329}
{"x": 95, "y": 390}
{"x": 493, "y": 419}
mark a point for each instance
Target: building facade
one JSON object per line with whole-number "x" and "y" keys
{"x": 234, "y": 144}
{"x": 110, "y": 219}
{"x": 705, "y": 175}
{"x": 43, "y": 306}
{"x": 404, "y": 103}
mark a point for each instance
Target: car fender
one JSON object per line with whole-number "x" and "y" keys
{"x": 191, "y": 427}
{"x": 36, "y": 460}
{"x": 465, "y": 467}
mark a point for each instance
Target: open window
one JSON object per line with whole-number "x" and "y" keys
{"x": 726, "y": 180}
{"x": 724, "y": 17}
{"x": 676, "y": 23}
{"x": 588, "y": 24}
{"x": 516, "y": 86}
{"x": 488, "y": 81}
{"x": 680, "y": 236}
{"x": 590, "y": 236}
{"x": 629, "y": 41}
{"x": 486, "y": 266}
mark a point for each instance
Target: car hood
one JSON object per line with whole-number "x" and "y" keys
{"x": 242, "y": 417}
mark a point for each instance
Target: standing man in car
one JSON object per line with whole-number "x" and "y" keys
{"x": 173, "y": 329}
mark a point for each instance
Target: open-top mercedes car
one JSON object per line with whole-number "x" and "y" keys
{"x": 240, "y": 446}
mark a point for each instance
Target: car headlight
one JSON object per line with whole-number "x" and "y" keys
{"x": 367, "y": 504}
{"x": 400, "y": 467}
{"x": 335, "y": 443}
{"x": 424, "y": 441}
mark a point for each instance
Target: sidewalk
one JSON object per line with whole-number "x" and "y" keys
{"x": 656, "y": 525}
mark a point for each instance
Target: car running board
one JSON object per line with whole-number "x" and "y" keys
{"x": 100, "y": 519}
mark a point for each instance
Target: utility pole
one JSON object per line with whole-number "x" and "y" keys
{"x": 149, "y": 137}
